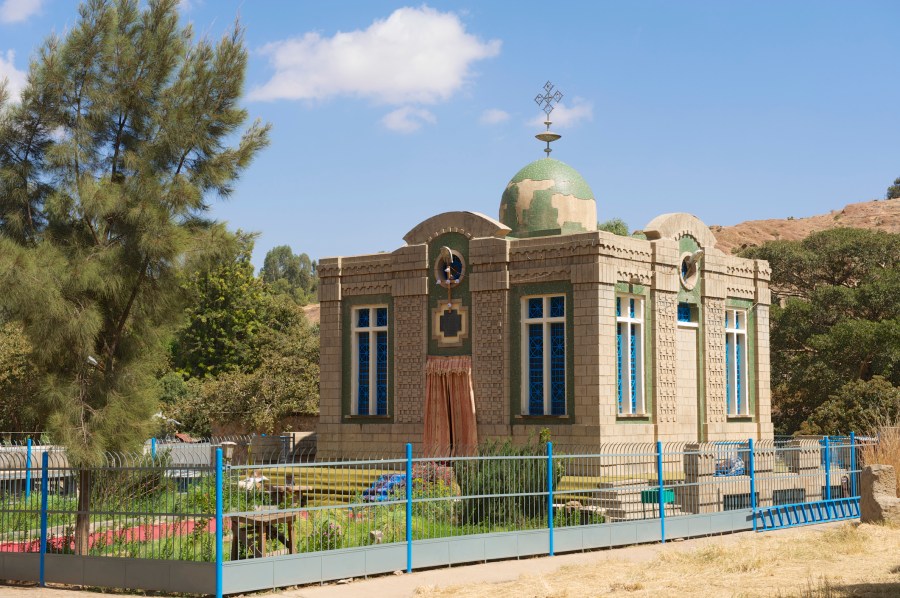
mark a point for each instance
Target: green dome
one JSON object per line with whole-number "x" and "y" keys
{"x": 548, "y": 197}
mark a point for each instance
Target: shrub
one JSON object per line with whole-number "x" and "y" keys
{"x": 524, "y": 477}
{"x": 886, "y": 451}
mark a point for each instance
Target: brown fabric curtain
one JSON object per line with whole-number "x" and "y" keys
{"x": 450, "y": 426}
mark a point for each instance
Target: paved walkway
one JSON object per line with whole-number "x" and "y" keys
{"x": 405, "y": 586}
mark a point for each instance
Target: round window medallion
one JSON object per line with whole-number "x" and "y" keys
{"x": 449, "y": 268}
{"x": 690, "y": 268}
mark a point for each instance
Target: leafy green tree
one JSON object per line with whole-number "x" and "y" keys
{"x": 285, "y": 383}
{"x": 291, "y": 274}
{"x": 18, "y": 382}
{"x": 616, "y": 226}
{"x": 835, "y": 321}
{"x": 225, "y": 315}
{"x": 859, "y": 405}
{"x": 107, "y": 164}
{"x": 893, "y": 192}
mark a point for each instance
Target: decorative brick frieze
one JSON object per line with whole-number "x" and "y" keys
{"x": 490, "y": 378}
{"x": 410, "y": 348}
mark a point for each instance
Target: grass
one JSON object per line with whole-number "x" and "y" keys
{"x": 834, "y": 561}
{"x": 886, "y": 451}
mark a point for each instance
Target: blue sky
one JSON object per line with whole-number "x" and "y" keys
{"x": 386, "y": 113}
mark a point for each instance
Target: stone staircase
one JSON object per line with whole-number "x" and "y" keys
{"x": 618, "y": 500}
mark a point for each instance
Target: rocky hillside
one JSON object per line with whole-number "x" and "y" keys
{"x": 881, "y": 215}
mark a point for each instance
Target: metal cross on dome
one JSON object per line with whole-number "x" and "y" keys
{"x": 548, "y": 98}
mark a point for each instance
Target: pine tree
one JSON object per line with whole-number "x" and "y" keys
{"x": 107, "y": 164}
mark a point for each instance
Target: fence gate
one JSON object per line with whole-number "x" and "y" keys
{"x": 822, "y": 511}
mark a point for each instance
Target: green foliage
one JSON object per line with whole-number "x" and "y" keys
{"x": 290, "y": 274}
{"x": 835, "y": 322}
{"x": 227, "y": 311}
{"x": 521, "y": 474}
{"x": 893, "y": 192}
{"x": 286, "y": 382}
{"x": 616, "y": 226}
{"x": 181, "y": 400}
{"x": 859, "y": 405}
{"x": 106, "y": 165}
{"x": 18, "y": 382}
{"x": 327, "y": 532}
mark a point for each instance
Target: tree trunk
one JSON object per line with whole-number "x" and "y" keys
{"x": 83, "y": 517}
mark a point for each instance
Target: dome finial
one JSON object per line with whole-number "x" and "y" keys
{"x": 548, "y": 98}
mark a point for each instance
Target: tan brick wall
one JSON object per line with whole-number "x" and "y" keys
{"x": 665, "y": 363}
{"x": 588, "y": 299}
{"x": 714, "y": 365}
{"x": 410, "y": 348}
{"x": 490, "y": 376}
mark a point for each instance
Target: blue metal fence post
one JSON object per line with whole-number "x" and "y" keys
{"x": 28, "y": 469}
{"x": 662, "y": 498}
{"x": 45, "y": 487}
{"x": 853, "y": 464}
{"x": 408, "y": 507}
{"x": 752, "y": 466}
{"x": 550, "y": 493}
{"x": 827, "y": 470}
{"x": 220, "y": 549}
{"x": 153, "y": 448}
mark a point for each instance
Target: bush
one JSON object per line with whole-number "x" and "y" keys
{"x": 524, "y": 477}
{"x": 886, "y": 451}
{"x": 327, "y": 534}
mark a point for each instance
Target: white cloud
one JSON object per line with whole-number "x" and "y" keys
{"x": 15, "y": 79}
{"x": 407, "y": 119}
{"x": 493, "y": 116}
{"x": 565, "y": 116}
{"x": 415, "y": 56}
{"x": 16, "y": 11}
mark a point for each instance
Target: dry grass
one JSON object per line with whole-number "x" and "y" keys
{"x": 887, "y": 451}
{"x": 813, "y": 562}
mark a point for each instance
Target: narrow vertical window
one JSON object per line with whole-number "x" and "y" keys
{"x": 370, "y": 363}
{"x": 629, "y": 355}
{"x": 736, "y": 362}
{"x": 544, "y": 355}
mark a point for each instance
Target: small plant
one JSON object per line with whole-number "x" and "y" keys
{"x": 327, "y": 534}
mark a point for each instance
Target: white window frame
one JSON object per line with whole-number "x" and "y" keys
{"x": 736, "y": 326}
{"x": 546, "y": 320}
{"x": 372, "y": 329}
{"x": 624, "y": 318}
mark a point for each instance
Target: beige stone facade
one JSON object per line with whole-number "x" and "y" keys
{"x": 683, "y": 367}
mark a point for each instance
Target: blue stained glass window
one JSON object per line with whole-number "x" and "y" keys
{"x": 737, "y": 320}
{"x": 684, "y": 312}
{"x": 618, "y": 306}
{"x": 362, "y": 318}
{"x": 633, "y": 368}
{"x": 381, "y": 316}
{"x": 557, "y": 368}
{"x": 536, "y": 369}
{"x": 362, "y": 380}
{"x": 619, "y": 357}
{"x": 631, "y": 307}
{"x": 557, "y": 307}
{"x": 728, "y": 366}
{"x": 381, "y": 371}
{"x": 738, "y": 350}
{"x": 536, "y": 307}
{"x": 727, "y": 319}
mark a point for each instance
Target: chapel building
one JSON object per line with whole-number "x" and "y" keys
{"x": 479, "y": 328}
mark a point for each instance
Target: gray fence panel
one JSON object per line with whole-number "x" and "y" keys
{"x": 20, "y": 567}
{"x": 533, "y": 542}
{"x": 466, "y": 550}
{"x": 136, "y": 574}
{"x": 256, "y": 574}
{"x": 431, "y": 553}
{"x": 385, "y": 558}
{"x": 348, "y": 563}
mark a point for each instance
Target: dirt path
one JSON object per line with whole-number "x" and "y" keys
{"x": 830, "y": 560}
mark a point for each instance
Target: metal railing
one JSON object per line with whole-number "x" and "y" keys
{"x": 209, "y": 503}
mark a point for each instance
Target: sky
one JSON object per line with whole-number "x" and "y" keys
{"x": 386, "y": 113}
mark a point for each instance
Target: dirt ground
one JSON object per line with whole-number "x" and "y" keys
{"x": 823, "y": 561}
